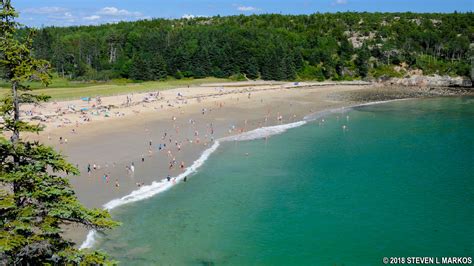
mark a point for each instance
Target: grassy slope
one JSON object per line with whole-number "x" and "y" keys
{"x": 63, "y": 89}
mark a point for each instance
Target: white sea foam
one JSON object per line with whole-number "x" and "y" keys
{"x": 321, "y": 114}
{"x": 263, "y": 132}
{"x": 159, "y": 186}
{"x": 148, "y": 191}
{"x": 90, "y": 240}
{"x": 379, "y": 102}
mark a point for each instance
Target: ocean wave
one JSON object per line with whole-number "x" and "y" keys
{"x": 160, "y": 186}
{"x": 341, "y": 110}
{"x": 150, "y": 190}
{"x": 321, "y": 114}
{"x": 90, "y": 239}
{"x": 263, "y": 132}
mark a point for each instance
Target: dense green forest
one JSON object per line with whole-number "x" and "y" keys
{"x": 274, "y": 47}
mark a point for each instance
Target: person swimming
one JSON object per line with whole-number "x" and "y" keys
{"x": 168, "y": 178}
{"x": 185, "y": 179}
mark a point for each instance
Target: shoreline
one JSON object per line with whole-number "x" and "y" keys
{"x": 124, "y": 139}
{"x": 162, "y": 186}
{"x": 259, "y": 133}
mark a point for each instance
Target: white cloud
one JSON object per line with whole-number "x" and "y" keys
{"x": 66, "y": 16}
{"x": 113, "y": 11}
{"x": 340, "y": 2}
{"x": 45, "y": 10}
{"x": 91, "y": 18}
{"x": 246, "y": 8}
{"x": 54, "y": 15}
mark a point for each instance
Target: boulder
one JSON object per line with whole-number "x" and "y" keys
{"x": 432, "y": 81}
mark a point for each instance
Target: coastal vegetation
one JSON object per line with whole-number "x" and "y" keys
{"x": 337, "y": 46}
{"x": 66, "y": 89}
{"x": 36, "y": 199}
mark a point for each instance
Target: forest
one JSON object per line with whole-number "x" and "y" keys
{"x": 336, "y": 46}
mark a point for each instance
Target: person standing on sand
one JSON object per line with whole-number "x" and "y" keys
{"x": 89, "y": 169}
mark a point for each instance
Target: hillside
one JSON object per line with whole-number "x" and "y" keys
{"x": 275, "y": 47}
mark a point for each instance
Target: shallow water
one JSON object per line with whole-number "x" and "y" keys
{"x": 398, "y": 181}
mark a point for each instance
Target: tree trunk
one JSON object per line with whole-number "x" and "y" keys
{"x": 16, "y": 112}
{"x": 112, "y": 53}
{"x": 16, "y": 132}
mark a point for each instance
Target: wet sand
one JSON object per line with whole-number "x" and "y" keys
{"x": 114, "y": 143}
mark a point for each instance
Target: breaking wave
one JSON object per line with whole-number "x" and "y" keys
{"x": 157, "y": 187}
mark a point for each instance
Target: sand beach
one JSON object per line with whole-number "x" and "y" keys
{"x": 124, "y": 143}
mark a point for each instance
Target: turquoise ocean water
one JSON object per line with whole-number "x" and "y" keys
{"x": 398, "y": 181}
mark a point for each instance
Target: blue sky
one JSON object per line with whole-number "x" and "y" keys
{"x": 85, "y": 12}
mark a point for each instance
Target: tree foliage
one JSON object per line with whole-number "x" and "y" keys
{"x": 281, "y": 47}
{"x": 36, "y": 198}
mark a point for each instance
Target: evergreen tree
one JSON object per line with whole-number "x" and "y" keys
{"x": 224, "y": 46}
{"x": 139, "y": 69}
{"x": 251, "y": 70}
{"x": 35, "y": 198}
{"x": 267, "y": 67}
{"x": 42, "y": 44}
{"x": 201, "y": 64}
{"x": 157, "y": 68}
{"x": 362, "y": 61}
{"x": 289, "y": 68}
